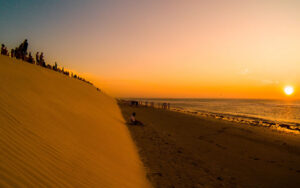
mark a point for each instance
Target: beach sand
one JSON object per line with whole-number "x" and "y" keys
{"x": 182, "y": 150}
{"x": 57, "y": 131}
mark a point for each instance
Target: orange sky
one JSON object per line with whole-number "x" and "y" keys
{"x": 235, "y": 49}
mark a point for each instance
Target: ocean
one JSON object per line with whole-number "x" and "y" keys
{"x": 281, "y": 112}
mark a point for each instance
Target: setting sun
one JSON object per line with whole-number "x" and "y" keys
{"x": 289, "y": 90}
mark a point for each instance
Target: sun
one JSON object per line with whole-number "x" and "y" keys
{"x": 288, "y": 90}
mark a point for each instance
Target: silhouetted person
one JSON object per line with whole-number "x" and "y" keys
{"x": 134, "y": 103}
{"x": 25, "y": 47}
{"x": 17, "y": 53}
{"x": 37, "y": 58}
{"x": 133, "y": 121}
{"x": 12, "y": 53}
{"x": 132, "y": 118}
{"x": 20, "y": 51}
{"x": 55, "y": 66}
{"x": 6, "y": 52}
{"x": 30, "y": 59}
{"x": 2, "y": 49}
{"x": 48, "y": 66}
{"x": 42, "y": 61}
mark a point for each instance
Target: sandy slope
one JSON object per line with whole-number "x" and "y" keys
{"x": 60, "y": 132}
{"x": 182, "y": 150}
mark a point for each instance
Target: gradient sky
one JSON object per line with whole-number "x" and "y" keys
{"x": 243, "y": 49}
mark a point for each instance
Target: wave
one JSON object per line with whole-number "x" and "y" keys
{"x": 245, "y": 119}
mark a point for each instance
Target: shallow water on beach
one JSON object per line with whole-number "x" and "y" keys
{"x": 267, "y": 111}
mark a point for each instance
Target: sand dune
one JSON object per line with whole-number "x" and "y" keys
{"x": 57, "y": 131}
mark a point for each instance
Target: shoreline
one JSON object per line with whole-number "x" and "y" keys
{"x": 281, "y": 126}
{"x": 184, "y": 150}
{"x": 248, "y": 120}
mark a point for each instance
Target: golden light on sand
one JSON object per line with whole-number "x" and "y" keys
{"x": 288, "y": 90}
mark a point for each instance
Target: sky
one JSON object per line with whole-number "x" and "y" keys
{"x": 175, "y": 49}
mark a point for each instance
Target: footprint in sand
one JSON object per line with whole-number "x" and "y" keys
{"x": 157, "y": 174}
{"x": 222, "y": 147}
{"x": 200, "y": 137}
{"x": 255, "y": 158}
{"x": 220, "y": 178}
{"x": 271, "y": 161}
{"x": 222, "y": 130}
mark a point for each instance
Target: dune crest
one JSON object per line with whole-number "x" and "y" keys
{"x": 60, "y": 132}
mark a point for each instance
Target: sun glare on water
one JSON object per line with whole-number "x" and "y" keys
{"x": 288, "y": 90}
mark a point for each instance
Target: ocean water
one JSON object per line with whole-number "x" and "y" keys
{"x": 263, "y": 111}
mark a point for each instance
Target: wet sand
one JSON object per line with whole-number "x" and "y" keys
{"x": 182, "y": 150}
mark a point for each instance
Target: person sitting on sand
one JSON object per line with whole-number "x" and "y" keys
{"x": 30, "y": 58}
{"x": 133, "y": 121}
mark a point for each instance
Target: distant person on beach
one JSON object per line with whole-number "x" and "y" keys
{"x": 134, "y": 103}
{"x": 133, "y": 121}
{"x": 132, "y": 118}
